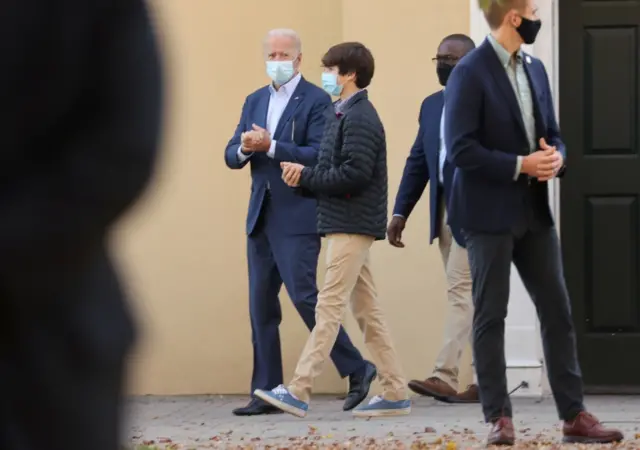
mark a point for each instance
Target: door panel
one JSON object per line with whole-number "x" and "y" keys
{"x": 600, "y": 194}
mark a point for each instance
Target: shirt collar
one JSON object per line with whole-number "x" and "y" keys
{"x": 288, "y": 88}
{"x": 503, "y": 55}
{"x": 340, "y": 104}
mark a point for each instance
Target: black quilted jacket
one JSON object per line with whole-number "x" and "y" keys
{"x": 350, "y": 179}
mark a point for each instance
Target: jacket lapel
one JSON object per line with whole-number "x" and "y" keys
{"x": 433, "y": 149}
{"x": 432, "y": 135}
{"x": 499, "y": 75}
{"x": 290, "y": 109}
{"x": 537, "y": 93}
{"x": 260, "y": 114}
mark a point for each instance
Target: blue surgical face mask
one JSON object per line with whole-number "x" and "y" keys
{"x": 280, "y": 71}
{"x": 330, "y": 84}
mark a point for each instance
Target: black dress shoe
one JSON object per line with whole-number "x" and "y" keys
{"x": 359, "y": 385}
{"x": 256, "y": 407}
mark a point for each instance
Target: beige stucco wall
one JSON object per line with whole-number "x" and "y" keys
{"x": 183, "y": 249}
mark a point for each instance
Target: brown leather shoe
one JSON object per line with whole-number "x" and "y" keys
{"x": 432, "y": 387}
{"x": 502, "y": 432}
{"x": 469, "y": 395}
{"x": 587, "y": 429}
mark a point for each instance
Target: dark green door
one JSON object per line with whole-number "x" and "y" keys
{"x": 600, "y": 195}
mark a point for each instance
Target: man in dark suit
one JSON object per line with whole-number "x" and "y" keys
{"x": 502, "y": 136}
{"x": 79, "y": 119}
{"x": 427, "y": 162}
{"x": 283, "y": 122}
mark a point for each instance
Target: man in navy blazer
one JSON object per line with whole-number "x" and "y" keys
{"x": 280, "y": 122}
{"x": 503, "y": 138}
{"x": 427, "y": 162}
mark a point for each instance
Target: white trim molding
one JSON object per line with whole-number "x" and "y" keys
{"x": 523, "y": 346}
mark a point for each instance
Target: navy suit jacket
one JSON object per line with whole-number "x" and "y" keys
{"x": 485, "y": 133}
{"x": 297, "y": 137}
{"x": 422, "y": 165}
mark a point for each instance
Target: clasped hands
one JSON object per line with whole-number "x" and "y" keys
{"x": 543, "y": 164}
{"x": 256, "y": 140}
{"x": 291, "y": 173}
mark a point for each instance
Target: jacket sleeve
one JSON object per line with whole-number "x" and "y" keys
{"x": 306, "y": 154}
{"x": 104, "y": 153}
{"x": 231, "y": 151}
{"x": 463, "y": 106}
{"x": 359, "y": 156}
{"x": 415, "y": 176}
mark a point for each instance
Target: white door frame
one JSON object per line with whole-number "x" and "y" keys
{"x": 523, "y": 347}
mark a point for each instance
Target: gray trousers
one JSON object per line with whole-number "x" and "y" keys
{"x": 533, "y": 246}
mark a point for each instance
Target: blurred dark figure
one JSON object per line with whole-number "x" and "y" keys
{"x": 80, "y": 101}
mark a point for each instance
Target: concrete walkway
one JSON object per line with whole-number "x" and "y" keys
{"x": 207, "y": 422}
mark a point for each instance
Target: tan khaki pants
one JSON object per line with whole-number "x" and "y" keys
{"x": 459, "y": 319}
{"x": 348, "y": 280}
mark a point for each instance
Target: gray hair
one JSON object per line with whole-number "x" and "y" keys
{"x": 285, "y": 32}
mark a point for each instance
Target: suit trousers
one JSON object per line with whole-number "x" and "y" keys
{"x": 348, "y": 280}
{"x": 275, "y": 257}
{"x": 534, "y": 248}
{"x": 457, "y": 329}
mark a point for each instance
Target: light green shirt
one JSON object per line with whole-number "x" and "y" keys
{"x": 514, "y": 67}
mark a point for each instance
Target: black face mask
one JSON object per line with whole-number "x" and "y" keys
{"x": 444, "y": 70}
{"x": 528, "y": 29}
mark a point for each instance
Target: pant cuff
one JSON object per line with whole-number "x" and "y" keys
{"x": 352, "y": 371}
{"x": 396, "y": 396}
{"x": 453, "y": 383}
{"x": 571, "y": 415}
{"x": 494, "y": 418}
{"x": 301, "y": 394}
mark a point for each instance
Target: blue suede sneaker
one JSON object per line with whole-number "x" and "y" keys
{"x": 379, "y": 407}
{"x": 281, "y": 398}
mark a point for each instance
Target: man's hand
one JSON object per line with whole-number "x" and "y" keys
{"x": 256, "y": 140}
{"x": 544, "y": 163}
{"x": 394, "y": 231}
{"x": 246, "y": 139}
{"x": 291, "y": 173}
{"x": 550, "y": 169}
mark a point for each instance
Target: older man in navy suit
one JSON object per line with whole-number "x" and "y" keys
{"x": 427, "y": 162}
{"x": 283, "y": 122}
{"x": 502, "y": 136}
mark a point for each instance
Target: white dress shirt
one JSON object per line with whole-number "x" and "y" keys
{"x": 442, "y": 151}
{"x": 278, "y": 101}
